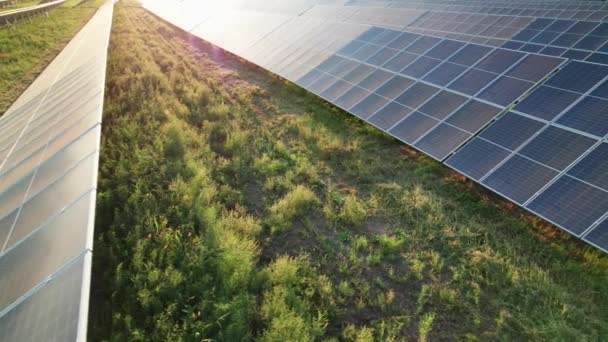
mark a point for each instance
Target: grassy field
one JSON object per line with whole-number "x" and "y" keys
{"x": 20, "y": 4}
{"x": 27, "y": 47}
{"x": 235, "y": 206}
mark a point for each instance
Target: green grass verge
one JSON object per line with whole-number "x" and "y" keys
{"x": 29, "y": 46}
{"x": 19, "y": 4}
{"x": 235, "y": 206}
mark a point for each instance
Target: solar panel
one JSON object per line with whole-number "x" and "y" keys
{"x": 511, "y": 94}
{"x": 49, "y": 153}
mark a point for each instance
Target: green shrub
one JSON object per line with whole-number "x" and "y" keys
{"x": 353, "y": 210}
{"x": 425, "y": 326}
{"x": 363, "y": 334}
{"x": 293, "y": 205}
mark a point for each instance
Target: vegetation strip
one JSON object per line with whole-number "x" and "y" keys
{"x": 235, "y": 206}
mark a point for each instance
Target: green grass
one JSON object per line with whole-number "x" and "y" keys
{"x": 204, "y": 155}
{"x": 27, "y": 47}
{"x": 20, "y": 4}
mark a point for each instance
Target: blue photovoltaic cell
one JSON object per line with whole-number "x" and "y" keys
{"x": 593, "y": 168}
{"x": 359, "y": 73}
{"x": 470, "y": 54}
{"x": 423, "y": 44}
{"x": 382, "y": 56}
{"x": 351, "y": 97}
{"x": 582, "y": 27}
{"x": 540, "y": 24}
{"x": 601, "y": 30}
{"x": 445, "y": 49}
{"x": 571, "y": 204}
{"x": 442, "y": 140}
{"x": 309, "y": 78}
{"x": 589, "y": 115}
{"x": 553, "y": 51}
{"x": 560, "y": 25}
{"x": 546, "y": 102}
{"x": 472, "y": 81}
{"x": 388, "y": 116}
{"x": 576, "y": 54}
{"x": 601, "y": 91}
{"x": 394, "y": 87}
{"x": 599, "y": 235}
{"x": 351, "y": 48}
{"x": 513, "y": 45}
{"x": 505, "y": 90}
{"x": 365, "y": 52}
{"x": 445, "y": 73}
{"x": 385, "y": 37}
{"x": 473, "y": 115}
{"x": 416, "y": 95}
{"x": 578, "y": 76}
{"x": 545, "y": 37}
{"x": 368, "y": 106}
{"x": 413, "y": 127}
{"x": 590, "y": 42}
{"x": 330, "y": 63}
{"x": 532, "y": 47}
{"x": 342, "y": 69}
{"x": 566, "y": 40}
{"x": 335, "y": 90}
{"x": 420, "y": 67}
{"x": 499, "y": 60}
{"x": 519, "y": 178}
{"x": 403, "y": 41}
{"x": 511, "y": 130}
{"x": 442, "y": 104}
{"x": 375, "y": 79}
{"x": 534, "y": 67}
{"x": 370, "y": 34}
{"x": 476, "y": 158}
{"x": 526, "y": 35}
{"x": 321, "y": 83}
{"x": 400, "y": 61}
{"x": 598, "y": 58}
{"x": 556, "y": 147}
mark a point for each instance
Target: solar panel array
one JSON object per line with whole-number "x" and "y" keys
{"x": 514, "y": 95}
{"x": 49, "y": 151}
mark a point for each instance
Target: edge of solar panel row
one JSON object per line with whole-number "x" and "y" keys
{"x": 511, "y": 94}
{"x": 49, "y": 153}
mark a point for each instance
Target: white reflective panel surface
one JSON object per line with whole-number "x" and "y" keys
{"x": 52, "y": 312}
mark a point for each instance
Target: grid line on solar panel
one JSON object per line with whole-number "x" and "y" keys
{"x": 53, "y": 312}
{"x": 483, "y": 88}
{"x": 597, "y": 234}
{"x": 87, "y": 163}
{"x": 387, "y": 129}
{"x": 573, "y": 163}
{"x": 521, "y": 58}
{"x": 502, "y": 41}
{"x": 568, "y": 195}
{"x": 529, "y": 139}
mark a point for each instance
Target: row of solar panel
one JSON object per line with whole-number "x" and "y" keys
{"x": 567, "y": 38}
{"x": 434, "y": 120}
{"x": 453, "y": 99}
{"x": 488, "y": 5}
{"x": 394, "y": 111}
{"x": 578, "y": 10}
{"x": 49, "y": 151}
